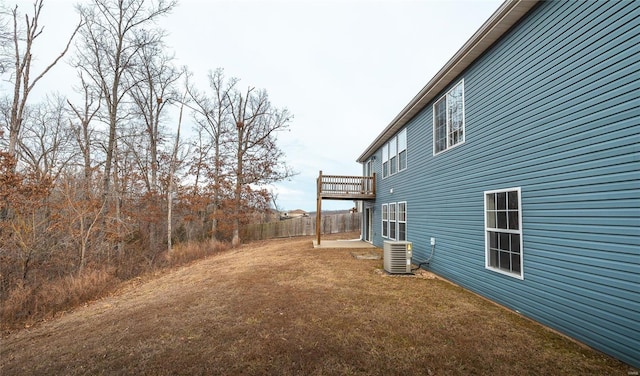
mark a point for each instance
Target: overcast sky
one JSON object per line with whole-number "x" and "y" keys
{"x": 344, "y": 68}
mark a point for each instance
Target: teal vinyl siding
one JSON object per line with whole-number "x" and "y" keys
{"x": 554, "y": 109}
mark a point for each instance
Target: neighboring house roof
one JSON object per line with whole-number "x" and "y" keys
{"x": 509, "y": 13}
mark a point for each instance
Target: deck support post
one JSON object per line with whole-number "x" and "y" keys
{"x": 319, "y": 208}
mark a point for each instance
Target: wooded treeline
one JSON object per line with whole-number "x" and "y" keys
{"x": 103, "y": 179}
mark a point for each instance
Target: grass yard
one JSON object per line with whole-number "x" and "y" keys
{"x": 280, "y": 307}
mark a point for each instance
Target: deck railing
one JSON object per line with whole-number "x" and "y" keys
{"x": 346, "y": 187}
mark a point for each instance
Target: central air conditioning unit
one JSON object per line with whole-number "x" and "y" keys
{"x": 397, "y": 257}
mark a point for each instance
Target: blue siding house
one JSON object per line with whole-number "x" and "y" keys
{"x": 520, "y": 162}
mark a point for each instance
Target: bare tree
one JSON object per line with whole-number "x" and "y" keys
{"x": 258, "y": 159}
{"x": 155, "y": 77}
{"x": 81, "y": 127}
{"x": 213, "y": 116}
{"x": 46, "y": 142}
{"x": 5, "y": 44}
{"x": 23, "y": 43}
{"x": 197, "y": 162}
{"x": 81, "y": 215}
{"x": 171, "y": 184}
{"x": 115, "y": 31}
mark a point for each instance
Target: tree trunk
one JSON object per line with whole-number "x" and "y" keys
{"x": 169, "y": 219}
{"x": 217, "y": 181}
{"x": 106, "y": 182}
{"x": 83, "y": 244}
{"x": 171, "y": 184}
{"x": 239, "y": 182}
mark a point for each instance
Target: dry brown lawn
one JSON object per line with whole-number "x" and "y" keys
{"x": 282, "y": 308}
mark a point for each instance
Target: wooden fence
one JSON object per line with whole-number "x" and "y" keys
{"x": 331, "y": 224}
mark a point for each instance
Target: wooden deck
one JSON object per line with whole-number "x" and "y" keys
{"x": 339, "y": 187}
{"x": 336, "y": 187}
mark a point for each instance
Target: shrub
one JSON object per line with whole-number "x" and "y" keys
{"x": 186, "y": 252}
{"x": 28, "y": 304}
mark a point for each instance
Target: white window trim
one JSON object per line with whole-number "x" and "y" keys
{"x": 395, "y": 221}
{"x": 464, "y": 122}
{"x": 393, "y": 155}
{"x": 387, "y": 147}
{"x": 368, "y": 167}
{"x": 519, "y": 232}
{"x": 406, "y": 216}
{"x": 405, "y": 149}
{"x": 384, "y": 225}
{"x": 385, "y": 159}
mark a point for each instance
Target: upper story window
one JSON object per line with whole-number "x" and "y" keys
{"x": 448, "y": 119}
{"x": 402, "y": 149}
{"x": 385, "y": 160}
{"x": 394, "y": 154}
{"x": 368, "y": 168}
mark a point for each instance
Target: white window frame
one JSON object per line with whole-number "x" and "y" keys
{"x": 393, "y": 156}
{"x": 391, "y": 152}
{"x": 385, "y": 220}
{"x": 402, "y": 218}
{"x": 402, "y": 147}
{"x": 492, "y": 225}
{"x": 448, "y": 120}
{"x": 369, "y": 168}
{"x": 393, "y": 220}
{"x": 385, "y": 160}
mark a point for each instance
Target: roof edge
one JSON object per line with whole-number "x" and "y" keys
{"x": 507, "y": 15}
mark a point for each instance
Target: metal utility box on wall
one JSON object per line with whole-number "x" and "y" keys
{"x": 397, "y": 257}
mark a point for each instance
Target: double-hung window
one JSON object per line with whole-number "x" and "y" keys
{"x": 503, "y": 231}
{"x": 393, "y": 153}
{"x": 385, "y": 220}
{"x": 385, "y": 160}
{"x": 402, "y": 221}
{"x": 402, "y": 149}
{"x": 448, "y": 119}
{"x": 369, "y": 168}
{"x": 392, "y": 221}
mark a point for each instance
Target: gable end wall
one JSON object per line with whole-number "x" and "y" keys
{"x": 553, "y": 108}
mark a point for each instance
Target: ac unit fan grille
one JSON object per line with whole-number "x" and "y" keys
{"x": 397, "y": 257}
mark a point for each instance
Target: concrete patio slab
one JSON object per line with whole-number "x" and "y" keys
{"x": 352, "y": 243}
